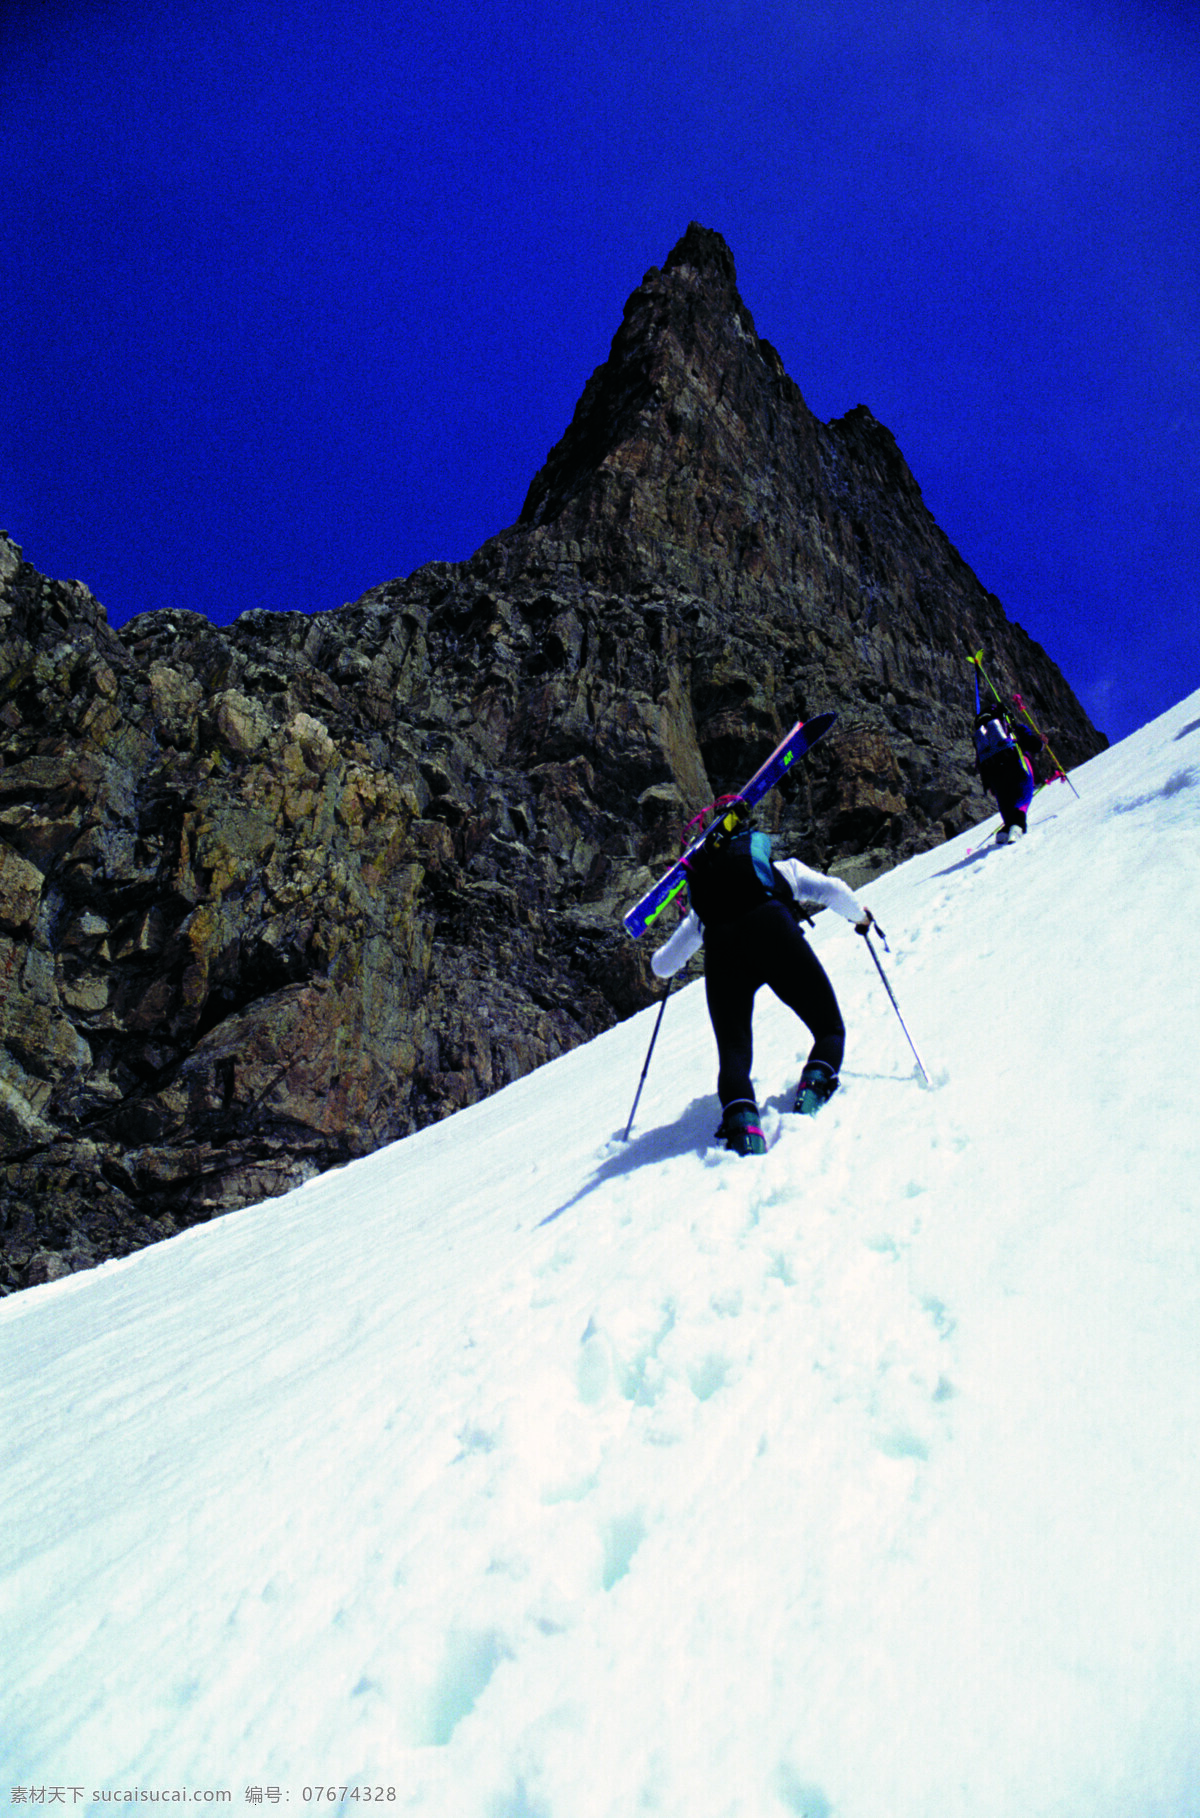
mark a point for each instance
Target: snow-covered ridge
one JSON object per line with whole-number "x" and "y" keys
{"x": 580, "y": 1478}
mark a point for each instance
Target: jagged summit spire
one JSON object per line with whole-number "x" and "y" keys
{"x": 679, "y": 444}
{"x": 704, "y": 250}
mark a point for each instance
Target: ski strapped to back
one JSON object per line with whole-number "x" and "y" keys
{"x": 1060, "y": 775}
{"x": 802, "y": 737}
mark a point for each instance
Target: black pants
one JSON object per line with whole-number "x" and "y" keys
{"x": 765, "y": 947}
{"x": 1009, "y": 777}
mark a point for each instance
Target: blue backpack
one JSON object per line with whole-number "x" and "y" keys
{"x": 991, "y": 738}
{"x": 728, "y": 879}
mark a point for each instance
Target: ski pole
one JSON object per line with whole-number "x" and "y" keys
{"x": 649, "y": 1052}
{"x": 895, "y": 1005}
{"x": 1019, "y": 703}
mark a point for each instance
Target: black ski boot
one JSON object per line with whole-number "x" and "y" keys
{"x": 818, "y": 1083}
{"x": 741, "y": 1129}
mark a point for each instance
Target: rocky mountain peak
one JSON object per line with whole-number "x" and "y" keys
{"x": 685, "y": 444}
{"x": 704, "y": 251}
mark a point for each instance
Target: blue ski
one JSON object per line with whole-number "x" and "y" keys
{"x": 801, "y": 738}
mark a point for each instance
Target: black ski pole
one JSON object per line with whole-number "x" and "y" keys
{"x": 895, "y": 1005}
{"x": 649, "y": 1052}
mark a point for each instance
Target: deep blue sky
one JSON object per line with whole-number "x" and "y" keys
{"x": 297, "y": 297}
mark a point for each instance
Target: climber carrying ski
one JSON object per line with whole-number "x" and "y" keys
{"x": 745, "y": 909}
{"x": 1002, "y": 753}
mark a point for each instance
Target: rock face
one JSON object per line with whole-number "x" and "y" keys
{"x": 273, "y": 895}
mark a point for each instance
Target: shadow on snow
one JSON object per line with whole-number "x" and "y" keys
{"x": 687, "y": 1135}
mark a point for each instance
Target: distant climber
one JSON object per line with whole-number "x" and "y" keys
{"x": 1002, "y": 757}
{"x": 745, "y": 910}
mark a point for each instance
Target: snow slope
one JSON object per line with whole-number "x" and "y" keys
{"x": 517, "y": 1472}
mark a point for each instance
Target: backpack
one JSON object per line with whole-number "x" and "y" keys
{"x": 992, "y": 738}
{"x": 728, "y": 879}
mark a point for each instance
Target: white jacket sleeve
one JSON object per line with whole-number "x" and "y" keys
{"x": 677, "y": 951}
{"x": 808, "y": 886}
